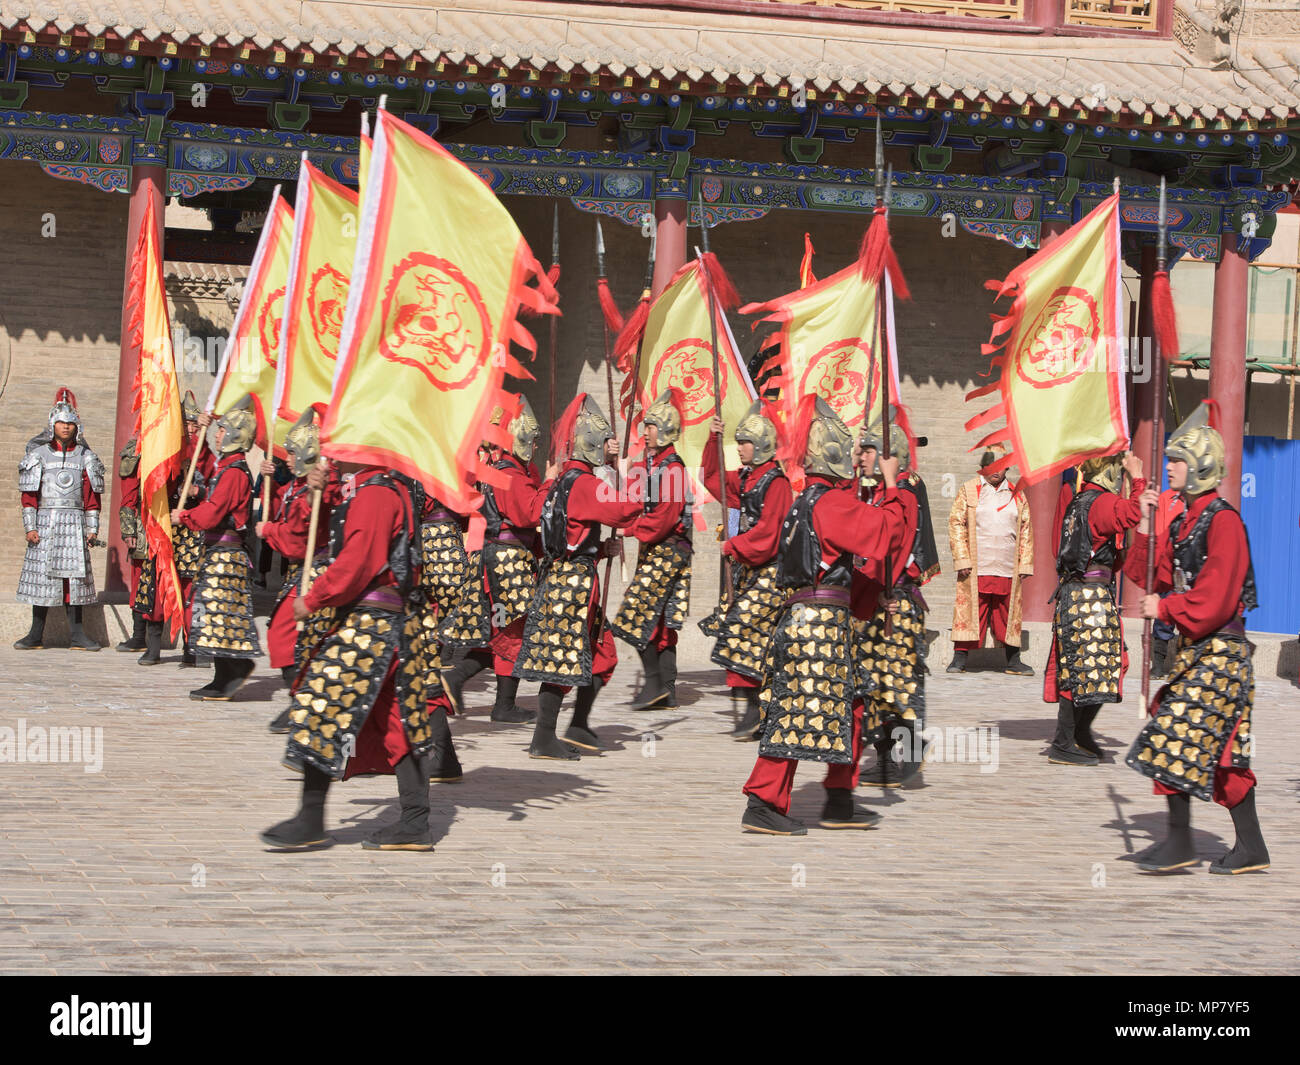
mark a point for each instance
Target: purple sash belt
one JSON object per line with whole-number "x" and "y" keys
{"x": 831, "y": 594}
{"x": 386, "y": 598}
{"x": 226, "y": 536}
{"x": 439, "y": 515}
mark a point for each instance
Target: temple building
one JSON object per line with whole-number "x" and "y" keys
{"x": 1004, "y": 121}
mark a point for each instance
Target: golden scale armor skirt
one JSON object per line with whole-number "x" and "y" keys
{"x": 146, "y": 587}
{"x": 1211, "y": 689}
{"x": 891, "y": 669}
{"x": 660, "y": 585}
{"x": 221, "y": 618}
{"x": 1089, "y": 643}
{"x": 511, "y": 572}
{"x": 557, "y": 642}
{"x": 187, "y": 549}
{"x": 316, "y": 626}
{"x": 806, "y": 701}
{"x": 444, "y": 565}
{"x": 342, "y": 682}
{"x": 745, "y": 630}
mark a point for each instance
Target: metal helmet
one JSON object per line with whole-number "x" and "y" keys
{"x": 65, "y": 410}
{"x": 590, "y": 431}
{"x": 1104, "y": 471}
{"x": 830, "y": 444}
{"x": 665, "y": 414}
{"x": 240, "y": 424}
{"x": 1197, "y": 443}
{"x": 129, "y": 458}
{"x": 757, "y": 429}
{"x": 524, "y": 430}
{"x": 302, "y": 442}
{"x": 899, "y": 446}
{"x": 190, "y": 407}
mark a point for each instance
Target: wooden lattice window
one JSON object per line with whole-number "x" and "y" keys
{"x": 1114, "y": 14}
{"x": 996, "y": 9}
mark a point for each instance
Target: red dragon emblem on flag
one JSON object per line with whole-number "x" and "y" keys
{"x": 326, "y": 300}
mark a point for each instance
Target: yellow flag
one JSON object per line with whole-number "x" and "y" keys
{"x": 441, "y": 271}
{"x": 320, "y": 268}
{"x": 1061, "y": 370}
{"x": 677, "y": 352}
{"x": 249, "y": 362}
{"x": 159, "y": 429}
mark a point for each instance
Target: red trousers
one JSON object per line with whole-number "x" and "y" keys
{"x": 505, "y": 644}
{"x": 773, "y": 778}
{"x": 382, "y": 742}
{"x": 663, "y": 637}
{"x": 1231, "y": 783}
{"x": 282, "y": 632}
{"x": 136, "y": 564}
{"x": 995, "y": 607}
{"x": 739, "y": 680}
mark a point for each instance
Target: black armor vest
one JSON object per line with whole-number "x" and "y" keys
{"x": 751, "y": 498}
{"x": 1190, "y": 553}
{"x": 555, "y": 522}
{"x": 231, "y": 521}
{"x": 1076, "y": 555}
{"x": 404, "y": 551}
{"x": 654, "y": 477}
{"x": 924, "y": 552}
{"x": 799, "y": 564}
{"x": 491, "y": 512}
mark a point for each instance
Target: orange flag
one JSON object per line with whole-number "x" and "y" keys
{"x": 248, "y": 365}
{"x": 158, "y": 425}
{"x": 1061, "y": 367}
{"x": 320, "y": 269}
{"x": 806, "y": 275}
{"x": 440, "y": 275}
{"x": 676, "y": 352}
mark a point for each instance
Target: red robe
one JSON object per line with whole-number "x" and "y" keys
{"x": 666, "y": 521}
{"x": 1213, "y": 601}
{"x": 1109, "y": 517}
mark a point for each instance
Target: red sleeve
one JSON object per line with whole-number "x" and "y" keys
{"x": 289, "y": 536}
{"x": 231, "y": 495}
{"x": 520, "y": 501}
{"x": 372, "y": 522}
{"x": 655, "y": 525}
{"x": 709, "y": 474}
{"x": 89, "y": 497}
{"x": 1111, "y": 515}
{"x": 130, "y": 492}
{"x": 758, "y": 545}
{"x": 1135, "y": 562}
{"x": 585, "y": 505}
{"x": 845, "y": 523}
{"x": 31, "y": 499}
{"x": 1215, "y": 597}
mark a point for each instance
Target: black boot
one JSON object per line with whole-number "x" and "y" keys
{"x": 212, "y": 689}
{"x": 32, "y": 641}
{"x": 1248, "y": 854}
{"x": 504, "y": 709}
{"x": 750, "y": 724}
{"x": 1014, "y": 665}
{"x": 1176, "y": 850}
{"x": 464, "y": 666}
{"x": 442, "y": 763}
{"x": 281, "y": 724}
{"x": 1064, "y": 750}
{"x": 188, "y": 659}
{"x": 763, "y": 817}
{"x": 288, "y": 674}
{"x": 668, "y": 674}
{"x": 958, "y": 663}
{"x": 839, "y": 811}
{"x": 152, "y": 645}
{"x": 579, "y": 731}
{"x": 77, "y": 638}
{"x": 1083, "y": 737}
{"x": 235, "y": 676}
{"x": 884, "y": 774}
{"x": 1160, "y": 657}
{"x": 136, "y": 641}
{"x": 545, "y": 744}
{"x": 411, "y": 832}
{"x": 307, "y": 827}
{"x": 653, "y": 693}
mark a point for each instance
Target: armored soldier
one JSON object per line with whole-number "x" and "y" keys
{"x": 128, "y": 515}
{"x": 565, "y": 643}
{"x": 889, "y": 613}
{"x": 1198, "y": 743}
{"x": 287, "y": 533}
{"x": 1088, "y": 658}
{"x": 187, "y": 543}
{"x": 743, "y": 621}
{"x": 221, "y": 599}
{"x": 658, "y": 595}
{"x": 810, "y": 707}
{"x": 487, "y": 625}
{"x": 61, "y": 480}
{"x": 363, "y": 702}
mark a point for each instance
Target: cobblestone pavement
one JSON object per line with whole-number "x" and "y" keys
{"x": 629, "y": 862}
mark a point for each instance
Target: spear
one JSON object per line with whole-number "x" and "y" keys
{"x": 884, "y": 179}
{"x": 717, "y": 393}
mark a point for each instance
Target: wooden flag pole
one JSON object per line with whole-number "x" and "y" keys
{"x": 609, "y": 382}
{"x": 305, "y": 583}
{"x": 724, "y": 584}
{"x": 554, "y": 323}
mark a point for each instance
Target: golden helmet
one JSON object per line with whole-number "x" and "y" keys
{"x": 1197, "y": 443}
{"x": 830, "y": 444}
{"x": 591, "y": 430}
{"x": 665, "y": 414}
{"x": 899, "y": 447}
{"x": 756, "y": 428}
{"x": 190, "y": 407}
{"x": 302, "y": 442}
{"x": 525, "y": 429}
{"x": 240, "y": 424}
{"x": 1105, "y": 471}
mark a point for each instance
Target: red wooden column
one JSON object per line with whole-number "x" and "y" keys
{"x": 1038, "y": 589}
{"x": 1228, "y": 359}
{"x": 670, "y": 241}
{"x": 146, "y": 184}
